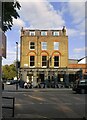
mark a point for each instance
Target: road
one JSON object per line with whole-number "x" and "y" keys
{"x": 52, "y": 103}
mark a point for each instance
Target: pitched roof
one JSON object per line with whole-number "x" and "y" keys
{"x": 82, "y": 60}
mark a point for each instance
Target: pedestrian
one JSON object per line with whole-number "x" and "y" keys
{"x": 25, "y": 85}
{"x": 77, "y": 80}
{"x": 39, "y": 83}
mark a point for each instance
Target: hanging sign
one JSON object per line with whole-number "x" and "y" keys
{"x": 2, "y": 44}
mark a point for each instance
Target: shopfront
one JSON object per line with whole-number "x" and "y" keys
{"x": 63, "y": 75}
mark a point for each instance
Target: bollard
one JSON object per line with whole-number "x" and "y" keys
{"x": 2, "y": 86}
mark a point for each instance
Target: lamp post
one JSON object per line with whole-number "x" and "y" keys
{"x": 17, "y": 64}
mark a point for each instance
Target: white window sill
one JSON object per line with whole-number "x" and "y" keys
{"x": 56, "y": 67}
{"x": 44, "y": 66}
{"x": 32, "y": 49}
{"x": 32, "y": 66}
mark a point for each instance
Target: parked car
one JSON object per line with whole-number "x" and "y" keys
{"x": 15, "y": 81}
{"x": 81, "y": 87}
{"x": 11, "y": 82}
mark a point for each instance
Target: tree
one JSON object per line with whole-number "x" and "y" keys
{"x": 9, "y": 11}
{"x": 9, "y": 71}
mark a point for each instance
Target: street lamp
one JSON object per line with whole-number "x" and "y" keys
{"x": 17, "y": 64}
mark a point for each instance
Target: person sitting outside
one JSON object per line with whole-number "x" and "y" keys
{"x": 25, "y": 85}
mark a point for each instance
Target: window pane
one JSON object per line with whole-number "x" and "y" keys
{"x": 44, "y": 64}
{"x": 44, "y": 45}
{"x": 31, "y": 63}
{"x": 44, "y": 60}
{"x": 32, "y": 60}
{"x": 43, "y": 33}
{"x": 56, "y": 33}
{"x": 56, "y": 64}
{"x": 32, "y": 33}
{"x": 56, "y": 61}
{"x": 56, "y": 45}
{"x": 56, "y": 58}
{"x": 32, "y": 45}
{"x": 44, "y": 48}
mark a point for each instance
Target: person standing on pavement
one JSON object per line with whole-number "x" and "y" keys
{"x": 77, "y": 80}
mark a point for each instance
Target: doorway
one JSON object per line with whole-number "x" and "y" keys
{"x": 41, "y": 76}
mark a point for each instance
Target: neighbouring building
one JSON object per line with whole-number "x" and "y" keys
{"x": 80, "y": 65}
{"x": 44, "y": 56}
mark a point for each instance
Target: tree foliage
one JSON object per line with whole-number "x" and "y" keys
{"x": 9, "y": 11}
{"x": 9, "y": 71}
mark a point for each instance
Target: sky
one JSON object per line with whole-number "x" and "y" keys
{"x": 50, "y": 14}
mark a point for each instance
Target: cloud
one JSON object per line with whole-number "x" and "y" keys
{"x": 77, "y": 10}
{"x": 75, "y": 56}
{"x": 18, "y": 22}
{"x": 74, "y": 19}
{"x": 41, "y": 15}
{"x": 78, "y": 50}
{"x": 11, "y": 52}
{"x": 52, "y": 0}
{"x": 11, "y": 56}
{"x": 72, "y": 32}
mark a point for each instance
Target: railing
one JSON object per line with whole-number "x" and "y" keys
{"x": 10, "y": 107}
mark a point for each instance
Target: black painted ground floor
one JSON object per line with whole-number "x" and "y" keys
{"x": 56, "y": 75}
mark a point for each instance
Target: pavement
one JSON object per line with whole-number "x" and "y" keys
{"x": 56, "y": 104}
{"x": 12, "y": 88}
{"x": 37, "y": 89}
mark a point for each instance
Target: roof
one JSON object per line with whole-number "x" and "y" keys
{"x": 82, "y": 60}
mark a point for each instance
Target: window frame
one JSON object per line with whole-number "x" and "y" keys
{"x": 43, "y": 33}
{"x": 33, "y": 61}
{"x": 42, "y": 45}
{"x": 32, "y": 33}
{"x": 44, "y": 61}
{"x": 31, "y": 45}
{"x": 55, "y": 33}
{"x": 56, "y": 62}
{"x": 55, "y": 46}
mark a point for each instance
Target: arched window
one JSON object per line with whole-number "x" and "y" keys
{"x": 32, "y": 61}
{"x": 56, "y": 61}
{"x": 44, "y": 61}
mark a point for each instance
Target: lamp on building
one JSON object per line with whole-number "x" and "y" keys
{"x": 17, "y": 64}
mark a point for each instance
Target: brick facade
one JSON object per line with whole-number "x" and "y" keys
{"x": 62, "y": 52}
{"x": 79, "y": 66}
{"x": 31, "y": 64}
